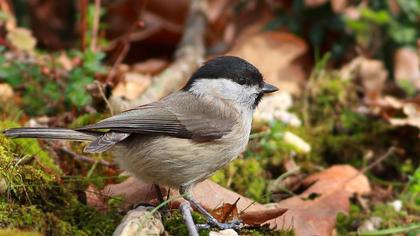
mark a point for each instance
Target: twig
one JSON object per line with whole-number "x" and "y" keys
{"x": 7, "y": 8}
{"x": 83, "y": 23}
{"x": 101, "y": 91}
{"x": 95, "y": 26}
{"x": 188, "y": 57}
{"x": 125, "y": 41}
{"x": 85, "y": 158}
{"x": 185, "y": 209}
{"x": 390, "y": 151}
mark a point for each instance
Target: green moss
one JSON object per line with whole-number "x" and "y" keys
{"x": 175, "y": 225}
{"x": 34, "y": 197}
{"x": 348, "y": 224}
{"x": 32, "y": 218}
{"x": 28, "y": 147}
{"x": 246, "y": 177}
{"x": 8, "y": 232}
{"x": 87, "y": 119}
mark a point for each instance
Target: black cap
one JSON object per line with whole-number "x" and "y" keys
{"x": 228, "y": 67}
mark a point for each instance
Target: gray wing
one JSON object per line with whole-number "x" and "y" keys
{"x": 180, "y": 115}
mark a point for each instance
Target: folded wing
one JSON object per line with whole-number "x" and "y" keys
{"x": 179, "y": 115}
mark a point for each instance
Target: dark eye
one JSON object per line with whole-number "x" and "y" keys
{"x": 241, "y": 81}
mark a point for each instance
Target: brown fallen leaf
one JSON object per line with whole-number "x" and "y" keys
{"x": 227, "y": 212}
{"x": 333, "y": 186}
{"x": 6, "y": 92}
{"x": 277, "y": 55}
{"x": 257, "y": 217}
{"x": 95, "y": 199}
{"x": 391, "y": 108}
{"x": 132, "y": 86}
{"x": 407, "y": 67}
{"x": 412, "y": 111}
{"x": 371, "y": 73}
{"x": 151, "y": 66}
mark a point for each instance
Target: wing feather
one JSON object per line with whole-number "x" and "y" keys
{"x": 179, "y": 115}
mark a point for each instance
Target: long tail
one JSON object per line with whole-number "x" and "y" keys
{"x": 51, "y": 133}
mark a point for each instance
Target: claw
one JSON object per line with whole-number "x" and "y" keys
{"x": 235, "y": 225}
{"x": 186, "y": 192}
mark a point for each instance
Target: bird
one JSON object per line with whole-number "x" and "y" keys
{"x": 183, "y": 138}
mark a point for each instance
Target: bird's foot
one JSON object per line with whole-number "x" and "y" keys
{"x": 235, "y": 224}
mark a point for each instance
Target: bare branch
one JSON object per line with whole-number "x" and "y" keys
{"x": 189, "y": 55}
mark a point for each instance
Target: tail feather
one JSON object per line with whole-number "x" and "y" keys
{"x": 51, "y": 133}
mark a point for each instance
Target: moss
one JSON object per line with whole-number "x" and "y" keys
{"x": 32, "y": 218}
{"x": 348, "y": 224}
{"x": 8, "y": 232}
{"x": 87, "y": 119}
{"x": 262, "y": 231}
{"x": 246, "y": 177}
{"x": 175, "y": 225}
{"x": 28, "y": 147}
{"x": 36, "y": 199}
{"x": 24, "y": 183}
{"x": 392, "y": 218}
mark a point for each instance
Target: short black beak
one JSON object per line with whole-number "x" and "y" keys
{"x": 268, "y": 88}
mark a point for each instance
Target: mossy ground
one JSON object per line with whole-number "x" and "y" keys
{"x": 35, "y": 198}
{"x": 174, "y": 224}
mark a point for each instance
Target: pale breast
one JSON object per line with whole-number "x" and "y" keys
{"x": 173, "y": 162}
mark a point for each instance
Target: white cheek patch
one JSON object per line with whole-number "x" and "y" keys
{"x": 226, "y": 89}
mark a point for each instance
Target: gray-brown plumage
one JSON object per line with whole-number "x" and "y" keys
{"x": 183, "y": 138}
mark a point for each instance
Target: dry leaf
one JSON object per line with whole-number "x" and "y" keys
{"x": 389, "y": 106}
{"x": 413, "y": 116}
{"x": 373, "y": 75}
{"x": 95, "y": 199}
{"x": 21, "y": 39}
{"x": 257, "y": 217}
{"x": 227, "y": 212}
{"x": 151, "y": 66}
{"x": 65, "y": 61}
{"x": 132, "y": 86}
{"x": 333, "y": 187}
{"x": 277, "y": 56}
{"x": 6, "y": 92}
{"x": 407, "y": 66}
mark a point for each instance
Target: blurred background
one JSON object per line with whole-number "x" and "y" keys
{"x": 348, "y": 73}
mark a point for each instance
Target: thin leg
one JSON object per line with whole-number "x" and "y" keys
{"x": 185, "y": 209}
{"x": 185, "y": 191}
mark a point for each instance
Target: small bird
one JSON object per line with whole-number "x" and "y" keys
{"x": 185, "y": 137}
